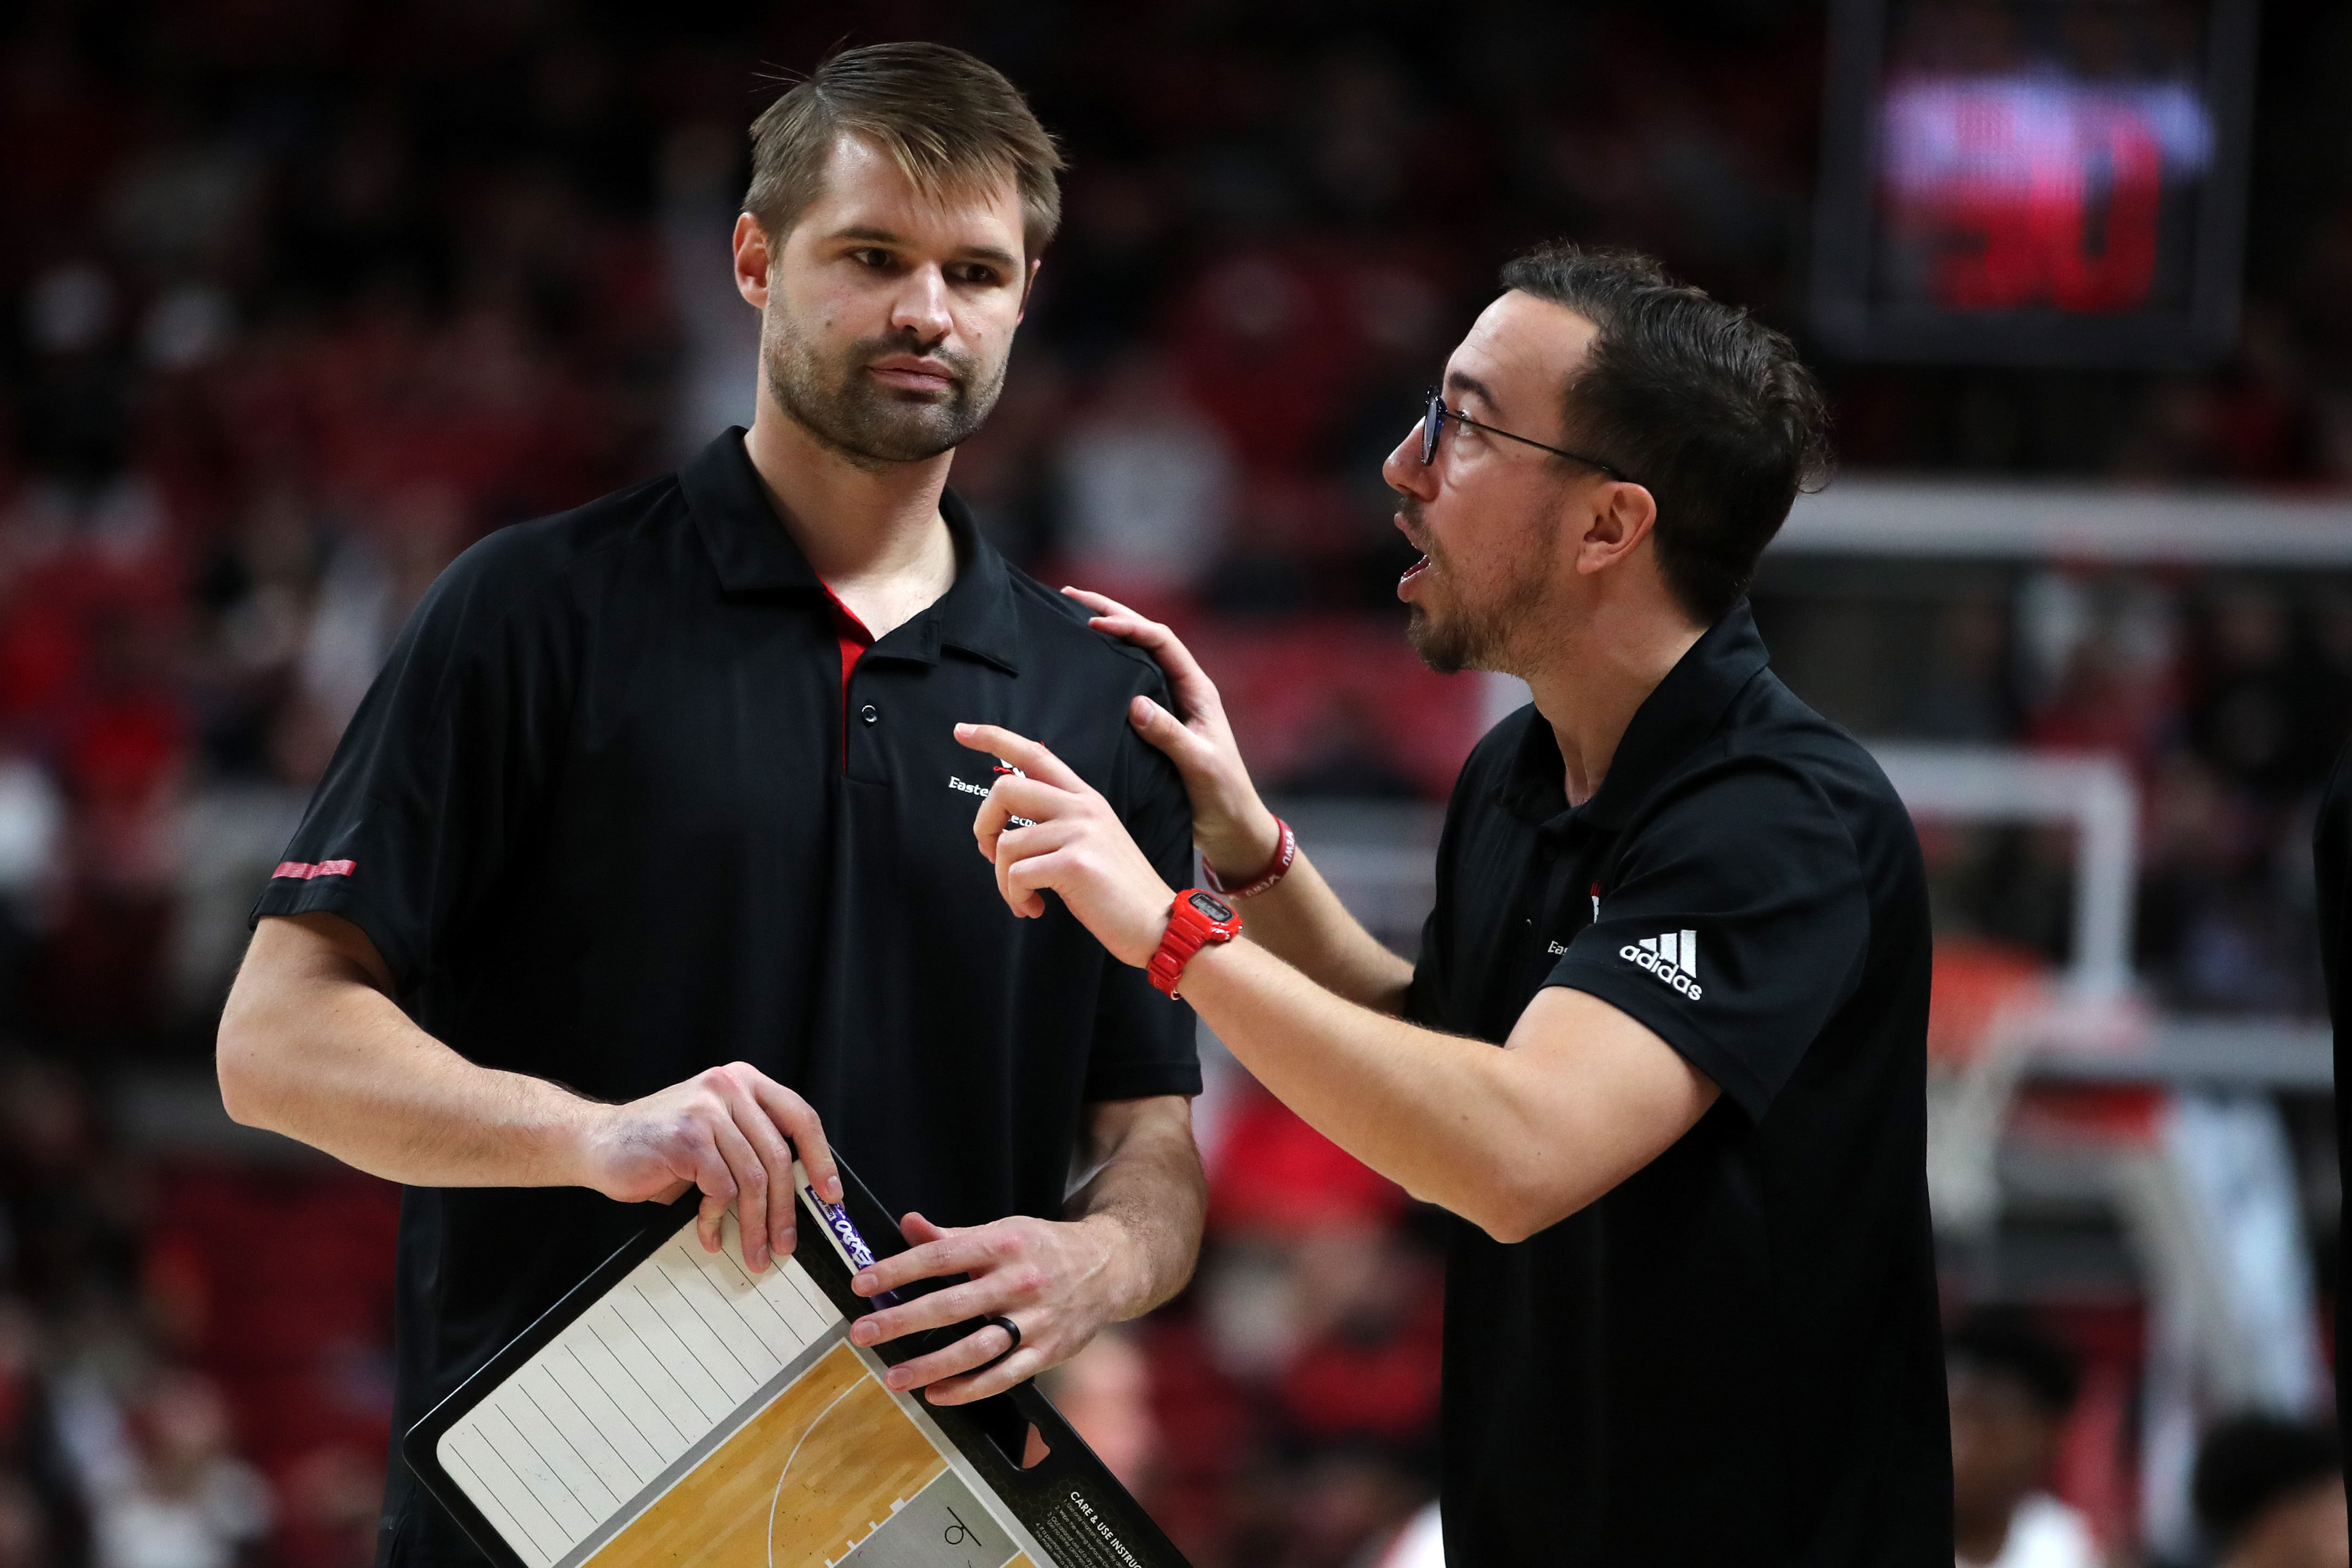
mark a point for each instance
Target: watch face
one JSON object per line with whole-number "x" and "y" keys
{"x": 1214, "y": 909}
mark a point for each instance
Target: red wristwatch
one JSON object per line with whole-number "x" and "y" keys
{"x": 1200, "y": 919}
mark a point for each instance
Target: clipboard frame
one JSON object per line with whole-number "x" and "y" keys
{"x": 990, "y": 1434}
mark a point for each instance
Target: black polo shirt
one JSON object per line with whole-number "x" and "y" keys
{"x": 1732, "y": 1358}
{"x": 597, "y": 817}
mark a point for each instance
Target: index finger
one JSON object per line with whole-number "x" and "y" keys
{"x": 797, "y": 1120}
{"x": 1022, "y": 752}
{"x": 957, "y": 1254}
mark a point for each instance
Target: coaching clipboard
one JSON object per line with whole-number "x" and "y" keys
{"x": 674, "y": 1410}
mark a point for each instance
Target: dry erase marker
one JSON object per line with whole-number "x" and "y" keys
{"x": 845, "y": 1231}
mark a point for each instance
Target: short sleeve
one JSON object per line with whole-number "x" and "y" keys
{"x": 1735, "y": 927}
{"x": 1145, "y": 1044}
{"x": 417, "y": 817}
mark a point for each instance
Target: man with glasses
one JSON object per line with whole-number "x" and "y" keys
{"x": 1691, "y": 1309}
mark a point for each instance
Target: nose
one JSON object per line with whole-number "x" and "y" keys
{"x": 1406, "y": 472}
{"x": 922, "y": 306}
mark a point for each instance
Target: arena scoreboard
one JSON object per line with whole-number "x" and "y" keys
{"x": 2033, "y": 181}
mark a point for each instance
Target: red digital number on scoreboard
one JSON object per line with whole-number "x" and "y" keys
{"x": 2015, "y": 199}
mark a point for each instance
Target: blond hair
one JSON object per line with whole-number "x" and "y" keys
{"x": 951, "y": 123}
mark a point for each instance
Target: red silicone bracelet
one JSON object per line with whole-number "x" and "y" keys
{"x": 1286, "y": 849}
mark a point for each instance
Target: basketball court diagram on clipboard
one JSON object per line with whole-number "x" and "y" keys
{"x": 676, "y": 1409}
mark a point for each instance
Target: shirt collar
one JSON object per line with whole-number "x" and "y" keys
{"x": 1680, "y": 713}
{"x": 755, "y": 553}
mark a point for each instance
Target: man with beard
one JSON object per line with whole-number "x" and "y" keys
{"x": 647, "y": 859}
{"x": 1691, "y": 1311}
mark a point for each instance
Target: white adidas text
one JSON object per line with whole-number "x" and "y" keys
{"x": 1672, "y": 956}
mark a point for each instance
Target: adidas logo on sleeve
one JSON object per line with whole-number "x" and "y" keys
{"x": 1673, "y": 957}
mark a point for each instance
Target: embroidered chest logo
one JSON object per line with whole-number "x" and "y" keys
{"x": 1556, "y": 949}
{"x": 1002, "y": 768}
{"x": 1673, "y": 957}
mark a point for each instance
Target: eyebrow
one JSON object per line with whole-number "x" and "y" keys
{"x": 988, "y": 253}
{"x": 1458, "y": 382}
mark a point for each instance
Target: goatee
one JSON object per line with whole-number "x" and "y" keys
{"x": 1465, "y": 638}
{"x": 1440, "y": 644}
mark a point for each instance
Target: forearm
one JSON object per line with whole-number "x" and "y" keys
{"x": 1302, "y": 922}
{"x": 311, "y": 1048}
{"x": 1512, "y": 1139}
{"x": 1446, "y": 1118}
{"x": 1148, "y": 1191}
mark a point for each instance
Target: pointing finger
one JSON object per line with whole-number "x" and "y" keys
{"x": 1022, "y": 752}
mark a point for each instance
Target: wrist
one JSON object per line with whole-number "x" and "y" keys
{"x": 1241, "y": 852}
{"x": 1119, "y": 1265}
{"x": 569, "y": 1142}
{"x": 1196, "y": 918}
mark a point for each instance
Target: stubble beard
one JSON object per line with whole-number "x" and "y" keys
{"x": 874, "y": 426}
{"x": 1479, "y": 637}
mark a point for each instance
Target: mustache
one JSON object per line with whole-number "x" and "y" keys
{"x": 1408, "y": 508}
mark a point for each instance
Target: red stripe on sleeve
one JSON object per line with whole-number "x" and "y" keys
{"x": 303, "y": 871}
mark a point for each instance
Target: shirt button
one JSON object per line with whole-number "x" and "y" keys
{"x": 869, "y": 715}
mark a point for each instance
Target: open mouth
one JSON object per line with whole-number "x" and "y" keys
{"x": 1407, "y": 524}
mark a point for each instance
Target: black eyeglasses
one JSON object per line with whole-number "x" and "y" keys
{"x": 1433, "y": 424}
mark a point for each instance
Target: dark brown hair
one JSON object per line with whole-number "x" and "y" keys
{"x": 950, "y": 121}
{"x": 1696, "y": 400}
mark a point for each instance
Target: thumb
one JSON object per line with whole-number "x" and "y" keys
{"x": 918, "y": 1230}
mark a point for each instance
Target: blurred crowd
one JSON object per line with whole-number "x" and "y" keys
{"x": 195, "y": 1356}
{"x": 296, "y": 300}
{"x": 2265, "y": 1491}
{"x": 2226, "y": 694}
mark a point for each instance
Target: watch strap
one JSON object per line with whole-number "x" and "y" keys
{"x": 1190, "y": 928}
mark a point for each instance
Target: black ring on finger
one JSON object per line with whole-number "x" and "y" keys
{"x": 1009, "y": 1326}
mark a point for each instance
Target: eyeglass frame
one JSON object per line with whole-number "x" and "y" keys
{"x": 1434, "y": 413}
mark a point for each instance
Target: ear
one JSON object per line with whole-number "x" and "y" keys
{"x": 1617, "y": 518}
{"x": 751, "y": 261}
{"x": 1028, "y": 287}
